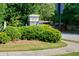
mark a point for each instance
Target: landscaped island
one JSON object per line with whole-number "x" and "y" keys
{"x": 33, "y": 37}
{"x": 29, "y": 45}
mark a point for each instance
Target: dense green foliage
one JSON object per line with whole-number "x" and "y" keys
{"x": 36, "y": 32}
{"x": 71, "y": 14}
{"x": 4, "y": 38}
{"x": 2, "y": 11}
{"x": 17, "y": 14}
{"x": 20, "y": 12}
{"x": 41, "y": 32}
{"x": 13, "y": 33}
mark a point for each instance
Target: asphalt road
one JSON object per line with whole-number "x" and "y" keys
{"x": 71, "y": 37}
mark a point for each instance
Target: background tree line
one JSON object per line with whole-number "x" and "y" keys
{"x": 70, "y": 14}
{"x": 16, "y": 14}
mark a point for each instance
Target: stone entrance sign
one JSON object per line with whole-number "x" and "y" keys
{"x": 33, "y": 19}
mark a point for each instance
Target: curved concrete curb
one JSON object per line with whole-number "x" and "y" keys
{"x": 72, "y": 47}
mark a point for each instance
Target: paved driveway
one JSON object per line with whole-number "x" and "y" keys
{"x": 72, "y": 37}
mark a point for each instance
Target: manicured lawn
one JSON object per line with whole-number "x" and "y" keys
{"x": 71, "y": 54}
{"x": 26, "y": 45}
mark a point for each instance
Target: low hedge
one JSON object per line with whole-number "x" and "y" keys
{"x": 37, "y": 32}
{"x": 42, "y": 32}
{"x": 13, "y": 32}
{"x": 4, "y": 38}
{"x": 21, "y": 31}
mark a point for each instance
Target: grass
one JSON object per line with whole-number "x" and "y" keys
{"x": 25, "y": 45}
{"x": 70, "y": 54}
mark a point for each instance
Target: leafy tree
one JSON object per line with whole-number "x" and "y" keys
{"x": 47, "y": 11}
{"x": 71, "y": 14}
{"x": 20, "y": 12}
{"x": 2, "y": 10}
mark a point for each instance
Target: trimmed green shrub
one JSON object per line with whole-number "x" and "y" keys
{"x": 42, "y": 32}
{"x": 36, "y": 32}
{"x": 4, "y": 38}
{"x": 13, "y": 32}
{"x": 21, "y": 31}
